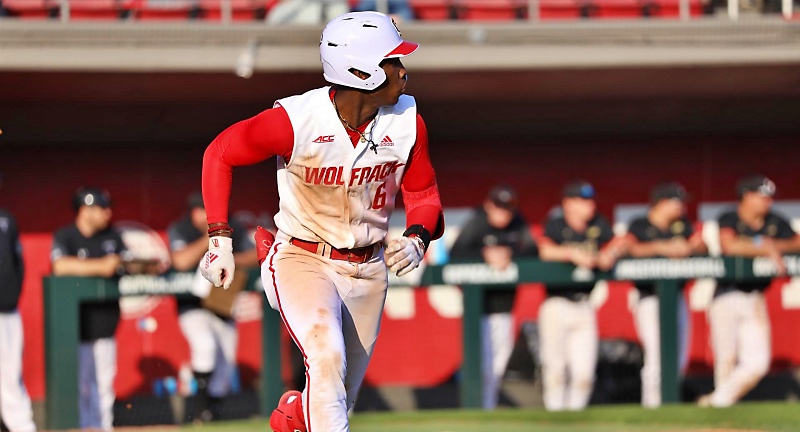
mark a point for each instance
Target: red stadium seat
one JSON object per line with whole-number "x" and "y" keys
{"x": 562, "y": 9}
{"x": 31, "y": 8}
{"x": 491, "y": 10}
{"x": 433, "y": 10}
{"x": 617, "y": 9}
{"x": 164, "y": 9}
{"x": 98, "y": 9}
{"x": 241, "y": 10}
{"x": 671, "y": 8}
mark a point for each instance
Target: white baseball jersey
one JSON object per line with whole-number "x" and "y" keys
{"x": 332, "y": 192}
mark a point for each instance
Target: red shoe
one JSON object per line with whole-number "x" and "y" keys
{"x": 264, "y": 241}
{"x": 288, "y": 416}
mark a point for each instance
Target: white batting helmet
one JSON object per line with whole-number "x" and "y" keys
{"x": 360, "y": 40}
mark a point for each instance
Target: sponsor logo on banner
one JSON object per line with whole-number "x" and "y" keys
{"x": 471, "y": 274}
{"x": 665, "y": 268}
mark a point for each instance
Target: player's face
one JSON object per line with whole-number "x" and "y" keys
{"x": 673, "y": 208}
{"x": 498, "y": 217}
{"x": 96, "y": 216}
{"x": 395, "y": 85}
{"x": 758, "y": 202}
{"x": 579, "y": 208}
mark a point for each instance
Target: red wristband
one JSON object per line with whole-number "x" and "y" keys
{"x": 217, "y": 228}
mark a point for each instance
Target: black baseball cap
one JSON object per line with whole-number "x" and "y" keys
{"x": 90, "y": 196}
{"x": 756, "y": 183}
{"x": 195, "y": 200}
{"x": 504, "y": 196}
{"x": 579, "y": 189}
{"x": 669, "y": 190}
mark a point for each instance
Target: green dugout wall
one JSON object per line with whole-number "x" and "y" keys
{"x": 63, "y": 295}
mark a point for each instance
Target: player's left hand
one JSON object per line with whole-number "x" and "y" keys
{"x": 218, "y": 266}
{"x": 403, "y": 255}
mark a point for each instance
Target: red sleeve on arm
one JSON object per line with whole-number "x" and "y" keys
{"x": 245, "y": 143}
{"x": 420, "y": 192}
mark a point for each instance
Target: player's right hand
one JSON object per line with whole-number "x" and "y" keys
{"x": 217, "y": 266}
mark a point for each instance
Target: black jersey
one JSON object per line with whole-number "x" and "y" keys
{"x": 644, "y": 231}
{"x": 597, "y": 234}
{"x": 11, "y": 265}
{"x": 775, "y": 227}
{"x": 477, "y": 234}
{"x": 97, "y": 319}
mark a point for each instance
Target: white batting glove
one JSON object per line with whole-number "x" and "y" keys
{"x": 217, "y": 266}
{"x": 403, "y": 255}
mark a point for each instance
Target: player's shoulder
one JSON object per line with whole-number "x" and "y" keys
{"x": 67, "y": 231}
{"x": 304, "y": 101}
{"x": 600, "y": 220}
{"x": 730, "y": 216}
{"x": 638, "y": 223}
{"x": 774, "y": 216}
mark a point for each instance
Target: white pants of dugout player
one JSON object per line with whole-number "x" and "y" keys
{"x": 212, "y": 342}
{"x": 568, "y": 350}
{"x": 647, "y": 326}
{"x": 497, "y": 344}
{"x": 332, "y": 309}
{"x": 740, "y": 337}
{"x": 97, "y": 369}
{"x": 15, "y": 405}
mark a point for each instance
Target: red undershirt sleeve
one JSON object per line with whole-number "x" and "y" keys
{"x": 420, "y": 177}
{"x": 245, "y": 143}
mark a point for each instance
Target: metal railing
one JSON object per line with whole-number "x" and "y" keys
{"x": 63, "y": 295}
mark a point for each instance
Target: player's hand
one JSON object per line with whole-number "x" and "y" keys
{"x": 582, "y": 258}
{"x": 497, "y": 257}
{"x": 775, "y": 255}
{"x": 678, "y": 248}
{"x": 606, "y": 260}
{"x": 217, "y": 266}
{"x": 403, "y": 255}
{"x": 111, "y": 263}
{"x": 264, "y": 241}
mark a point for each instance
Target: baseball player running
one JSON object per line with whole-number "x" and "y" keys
{"x": 343, "y": 152}
{"x": 567, "y": 322}
{"x": 740, "y": 329}
{"x": 663, "y": 232}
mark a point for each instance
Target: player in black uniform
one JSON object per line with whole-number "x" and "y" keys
{"x": 92, "y": 247}
{"x": 740, "y": 328}
{"x": 664, "y": 232}
{"x": 15, "y": 405}
{"x": 568, "y": 338}
{"x": 211, "y": 335}
{"x": 496, "y": 233}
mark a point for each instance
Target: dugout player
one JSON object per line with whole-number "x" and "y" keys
{"x": 343, "y": 153}
{"x": 15, "y": 405}
{"x": 568, "y": 337}
{"x": 92, "y": 247}
{"x": 664, "y": 232}
{"x": 496, "y": 233}
{"x": 740, "y": 329}
{"x": 212, "y": 337}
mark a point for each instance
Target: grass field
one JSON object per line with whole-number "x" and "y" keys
{"x": 676, "y": 418}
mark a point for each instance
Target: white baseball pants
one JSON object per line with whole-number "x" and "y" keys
{"x": 332, "y": 310}
{"x": 740, "y": 337}
{"x": 568, "y": 349}
{"x": 497, "y": 343}
{"x": 15, "y": 405}
{"x": 212, "y": 343}
{"x": 97, "y": 369}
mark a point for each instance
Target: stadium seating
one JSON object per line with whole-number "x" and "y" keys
{"x": 164, "y": 9}
{"x": 99, "y": 9}
{"x": 433, "y": 10}
{"x": 30, "y": 9}
{"x": 490, "y": 10}
{"x": 241, "y": 10}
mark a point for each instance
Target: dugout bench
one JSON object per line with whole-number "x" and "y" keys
{"x": 63, "y": 295}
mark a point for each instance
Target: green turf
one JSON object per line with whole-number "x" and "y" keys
{"x": 778, "y": 417}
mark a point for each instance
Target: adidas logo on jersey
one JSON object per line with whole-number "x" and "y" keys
{"x": 324, "y": 139}
{"x": 387, "y": 142}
